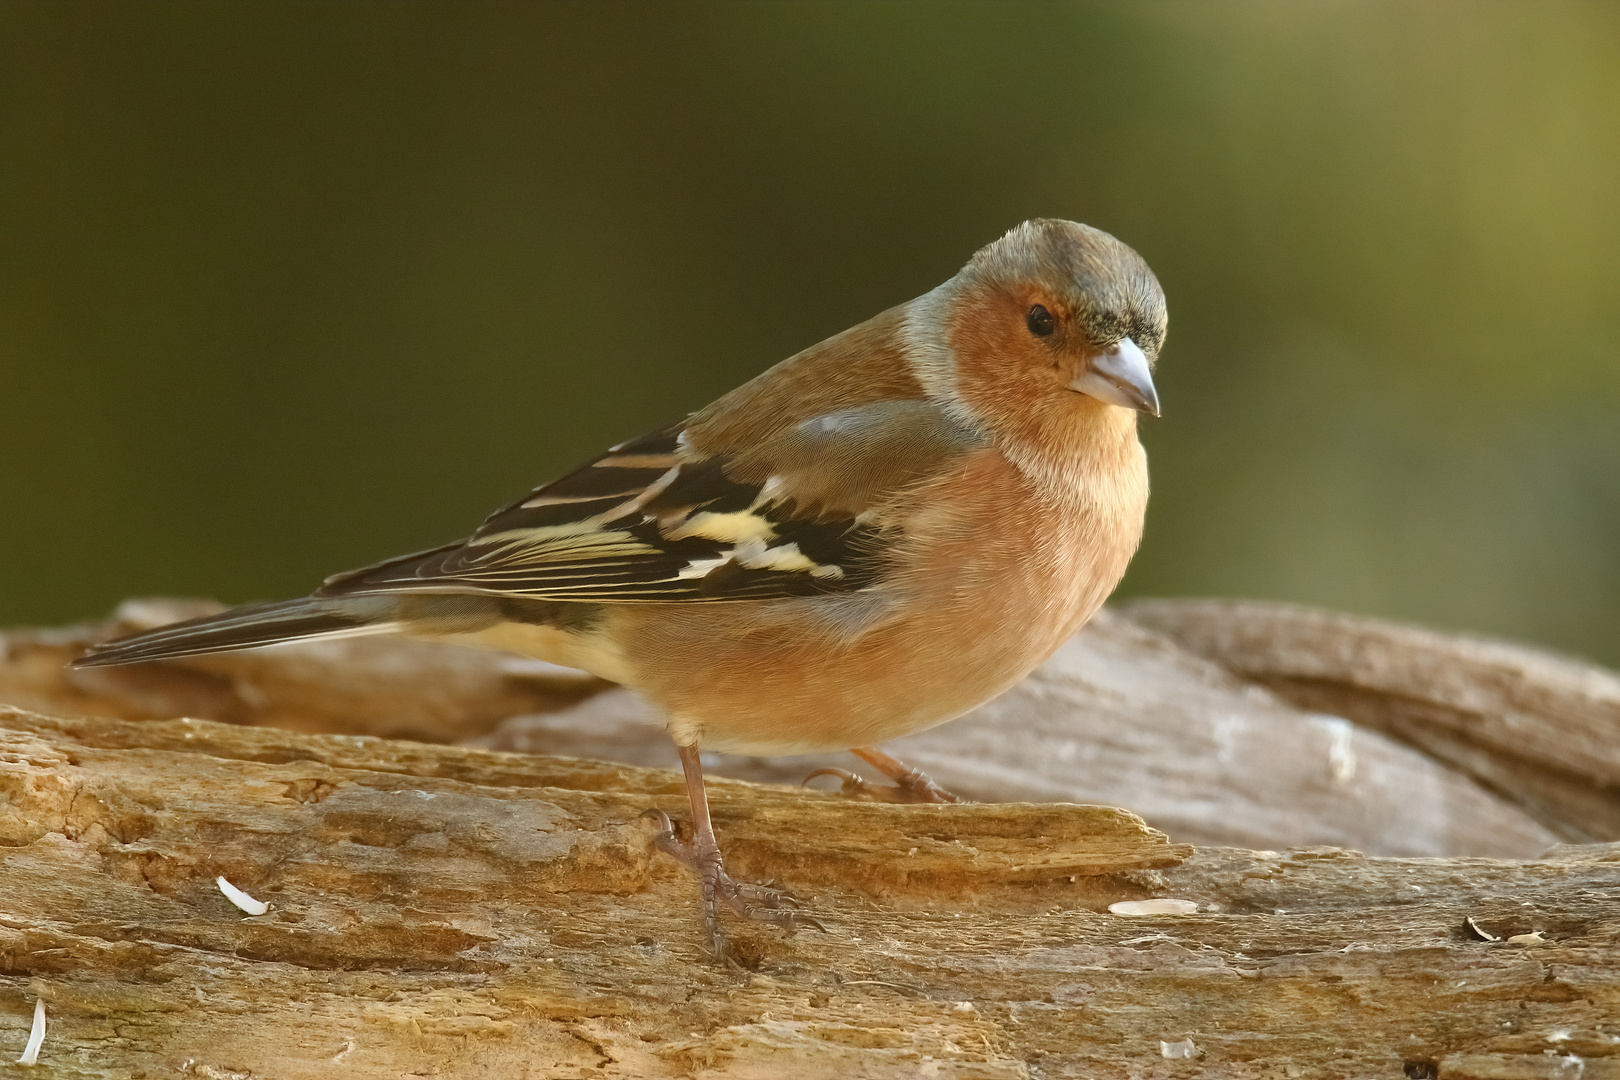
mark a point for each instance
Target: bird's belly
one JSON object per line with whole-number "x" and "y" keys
{"x": 858, "y": 700}
{"x": 772, "y": 686}
{"x": 756, "y": 684}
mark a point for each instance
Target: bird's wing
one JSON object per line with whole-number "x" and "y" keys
{"x": 799, "y": 513}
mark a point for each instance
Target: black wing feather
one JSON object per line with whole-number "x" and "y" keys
{"x": 630, "y": 555}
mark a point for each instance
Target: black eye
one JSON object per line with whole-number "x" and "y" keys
{"x": 1040, "y": 321}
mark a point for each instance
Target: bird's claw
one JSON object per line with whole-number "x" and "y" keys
{"x": 766, "y": 896}
{"x": 665, "y": 837}
{"x": 915, "y": 787}
{"x": 761, "y": 904}
{"x": 851, "y": 785}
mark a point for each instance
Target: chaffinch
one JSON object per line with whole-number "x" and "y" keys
{"x": 871, "y": 538}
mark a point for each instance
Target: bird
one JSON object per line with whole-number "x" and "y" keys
{"x": 870, "y": 538}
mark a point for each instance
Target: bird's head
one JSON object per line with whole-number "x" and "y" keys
{"x": 1054, "y": 319}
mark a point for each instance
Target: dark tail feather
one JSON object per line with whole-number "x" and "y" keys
{"x": 248, "y": 627}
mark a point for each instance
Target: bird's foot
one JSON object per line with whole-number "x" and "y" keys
{"x": 914, "y": 786}
{"x": 755, "y": 902}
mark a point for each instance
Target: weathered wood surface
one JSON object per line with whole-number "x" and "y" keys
{"x": 463, "y": 911}
{"x": 456, "y": 912}
{"x": 1540, "y": 730}
{"x": 367, "y": 686}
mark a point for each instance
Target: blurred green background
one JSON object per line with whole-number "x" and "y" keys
{"x": 286, "y": 288}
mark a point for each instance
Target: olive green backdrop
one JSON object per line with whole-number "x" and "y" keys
{"x": 285, "y": 288}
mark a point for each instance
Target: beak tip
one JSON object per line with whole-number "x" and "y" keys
{"x": 1122, "y": 376}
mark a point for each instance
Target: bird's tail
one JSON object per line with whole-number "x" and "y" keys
{"x": 248, "y": 627}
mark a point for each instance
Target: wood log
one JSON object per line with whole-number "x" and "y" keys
{"x": 463, "y": 911}
{"x": 362, "y": 686}
{"x": 1536, "y": 728}
{"x": 456, "y": 912}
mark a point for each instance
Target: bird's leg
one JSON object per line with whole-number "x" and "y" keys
{"x": 910, "y": 785}
{"x": 702, "y": 855}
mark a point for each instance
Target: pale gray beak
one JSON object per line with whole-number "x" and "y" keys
{"x": 1120, "y": 377}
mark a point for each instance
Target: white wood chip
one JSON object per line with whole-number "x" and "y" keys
{"x": 240, "y": 898}
{"x": 1527, "y": 939}
{"x": 1184, "y": 1048}
{"x": 1160, "y": 906}
{"x": 36, "y": 1037}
